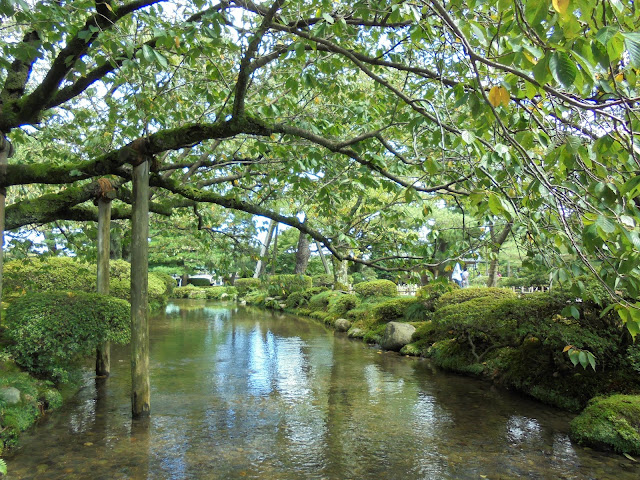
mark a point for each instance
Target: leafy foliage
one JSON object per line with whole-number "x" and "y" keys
{"x": 284, "y": 285}
{"x": 381, "y": 288}
{"x": 246, "y": 285}
{"x": 50, "y": 331}
{"x": 392, "y": 310}
{"x": 465, "y": 294}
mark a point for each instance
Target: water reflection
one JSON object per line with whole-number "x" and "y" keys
{"x": 239, "y": 393}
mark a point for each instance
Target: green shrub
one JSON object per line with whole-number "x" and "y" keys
{"x": 169, "y": 281}
{"x": 50, "y": 331}
{"x": 301, "y": 298}
{"x": 45, "y": 274}
{"x": 190, "y": 291}
{"x": 392, "y": 310}
{"x": 464, "y": 294}
{"x": 430, "y": 293}
{"x": 199, "y": 282}
{"x": 322, "y": 299}
{"x": 343, "y": 303}
{"x": 246, "y": 285}
{"x": 220, "y": 293}
{"x": 380, "y": 288}
{"x": 285, "y": 285}
{"x": 69, "y": 274}
{"x": 324, "y": 280}
{"x": 612, "y": 423}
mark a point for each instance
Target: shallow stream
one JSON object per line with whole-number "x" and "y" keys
{"x": 242, "y": 393}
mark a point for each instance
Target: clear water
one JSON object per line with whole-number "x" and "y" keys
{"x": 240, "y": 393}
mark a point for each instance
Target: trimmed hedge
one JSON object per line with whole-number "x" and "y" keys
{"x": 392, "y": 310}
{"x": 344, "y": 303}
{"x": 50, "y": 331}
{"x": 377, "y": 288}
{"x": 301, "y": 298}
{"x": 65, "y": 273}
{"x": 246, "y": 285}
{"x": 461, "y": 295}
{"x": 285, "y": 285}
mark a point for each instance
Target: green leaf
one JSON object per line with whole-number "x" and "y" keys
{"x": 573, "y": 356}
{"x": 468, "y": 137}
{"x": 161, "y": 59}
{"x": 592, "y": 360}
{"x": 632, "y": 44}
{"x": 629, "y": 457}
{"x": 328, "y": 18}
{"x": 605, "y": 224}
{"x": 495, "y": 204}
{"x": 147, "y": 53}
{"x": 563, "y": 69}
{"x": 582, "y": 358}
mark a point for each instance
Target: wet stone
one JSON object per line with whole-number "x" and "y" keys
{"x": 10, "y": 395}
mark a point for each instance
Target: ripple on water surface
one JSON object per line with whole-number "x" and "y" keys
{"x": 240, "y": 393}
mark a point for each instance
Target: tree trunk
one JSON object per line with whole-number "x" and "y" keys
{"x": 302, "y": 254}
{"x": 140, "y": 387}
{"x": 340, "y": 272}
{"x": 325, "y": 264}
{"x": 103, "y": 354}
{"x": 263, "y": 251}
{"x": 496, "y": 244}
{"x": 6, "y": 150}
{"x": 275, "y": 251}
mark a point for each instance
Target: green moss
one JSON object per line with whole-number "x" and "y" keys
{"x": 343, "y": 303}
{"x": 376, "y": 288}
{"x": 430, "y": 293}
{"x": 375, "y": 334}
{"x": 610, "y": 422}
{"x": 412, "y": 349}
{"x": 324, "y": 280}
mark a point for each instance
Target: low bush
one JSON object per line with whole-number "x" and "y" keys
{"x": 430, "y": 293}
{"x": 612, "y": 423}
{"x": 392, "y": 310}
{"x": 70, "y": 274}
{"x": 169, "y": 281}
{"x": 246, "y": 285}
{"x": 324, "y": 280}
{"x": 50, "y": 331}
{"x": 189, "y": 291}
{"x": 285, "y": 285}
{"x": 343, "y": 303}
{"x": 199, "y": 282}
{"x": 461, "y": 295}
{"x": 320, "y": 301}
{"x": 379, "y": 288}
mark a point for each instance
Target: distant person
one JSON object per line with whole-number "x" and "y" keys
{"x": 465, "y": 278}
{"x": 456, "y": 276}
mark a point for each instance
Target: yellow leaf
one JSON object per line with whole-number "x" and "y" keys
{"x": 619, "y": 77}
{"x": 560, "y": 6}
{"x": 177, "y": 40}
{"x": 567, "y": 348}
{"x": 498, "y": 96}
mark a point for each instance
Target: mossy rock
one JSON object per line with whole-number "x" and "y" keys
{"x": 381, "y": 288}
{"x": 611, "y": 423}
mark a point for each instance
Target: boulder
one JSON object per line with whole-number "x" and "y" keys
{"x": 342, "y": 325}
{"x": 397, "y": 335}
{"x": 356, "y": 332}
{"x": 10, "y": 395}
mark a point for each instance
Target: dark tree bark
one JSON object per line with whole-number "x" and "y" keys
{"x": 497, "y": 240}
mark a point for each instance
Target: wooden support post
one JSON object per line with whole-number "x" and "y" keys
{"x": 140, "y": 386}
{"x": 103, "y": 354}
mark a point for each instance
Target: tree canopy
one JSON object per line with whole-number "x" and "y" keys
{"x": 525, "y": 112}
